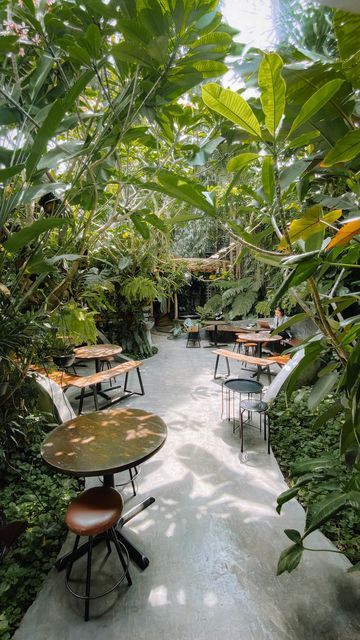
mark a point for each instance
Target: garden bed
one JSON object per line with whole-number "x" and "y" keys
{"x": 294, "y": 438}
{"x": 30, "y": 491}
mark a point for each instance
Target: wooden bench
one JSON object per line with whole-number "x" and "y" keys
{"x": 66, "y": 380}
{"x": 292, "y": 342}
{"x": 281, "y": 360}
{"x": 260, "y": 363}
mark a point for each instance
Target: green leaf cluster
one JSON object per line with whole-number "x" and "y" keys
{"x": 324, "y": 484}
{"x": 31, "y": 492}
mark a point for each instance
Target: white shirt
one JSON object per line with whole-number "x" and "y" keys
{"x": 279, "y": 321}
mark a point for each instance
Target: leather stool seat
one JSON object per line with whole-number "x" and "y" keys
{"x": 94, "y": 511}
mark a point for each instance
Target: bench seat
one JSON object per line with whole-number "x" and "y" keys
{"x": 260, "y": 363}
{"x": 66, "y": 380}
{"x": 292, "y": 342}
{"x": 281, "y": 360}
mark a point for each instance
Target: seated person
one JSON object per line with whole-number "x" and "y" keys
{"x": 279, "y": 319}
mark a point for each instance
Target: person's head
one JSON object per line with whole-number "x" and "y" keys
{"x": 279, "y": 312}
{"x": 50, "y": 203}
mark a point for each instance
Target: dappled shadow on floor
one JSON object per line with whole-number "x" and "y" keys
{"x": 213, "y": 536}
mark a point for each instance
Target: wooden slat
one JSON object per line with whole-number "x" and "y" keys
{"x": 97, "y": 351}
{"x": 86, "y": 381}
{"x": 68, "y": 380}
{"x": 293, "y": 342}
{"x": 61, "y": 378}
{"x": 280, "y": 359}
{"x": 263, "y": 362}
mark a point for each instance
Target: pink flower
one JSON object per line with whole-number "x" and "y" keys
{"x": 21, "y": 52}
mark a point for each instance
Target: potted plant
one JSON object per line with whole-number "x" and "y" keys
{"x": 62, "y": 352}
{"x": 71, "y": 325}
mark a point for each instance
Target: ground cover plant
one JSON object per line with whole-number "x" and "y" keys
{"x": 296, "y": 439}
{"x": 30, "y": 491}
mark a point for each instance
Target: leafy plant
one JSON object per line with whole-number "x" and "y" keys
{"x": 74, "y": 324}
{"x": 140, "y": 289}
{"x": 324, "y": 484}
{"x": 30, "y": 491}
{"x": 300, "y": 138}
{"x": 236, "y": 299}
{"x": 263, "y": 308}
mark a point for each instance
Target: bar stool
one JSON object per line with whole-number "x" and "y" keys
{"x": 254, "y": 406}
{"x": 95, "y": 512}
{"x": 107, "y": 362}
{"x": 241, "y": 386}
{"x": 249, "y": 348}
{"x": 193, "y": 336}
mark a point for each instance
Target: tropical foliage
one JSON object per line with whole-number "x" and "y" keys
{"x": 89, "y": 107}
{"x": 300, "y": 136}
{"x": 107, "y": 149}
{"x": 308, "y": 456}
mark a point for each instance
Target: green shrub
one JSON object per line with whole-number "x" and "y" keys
{"x": 294, "y": 438}
{"x": 31, "y": 491}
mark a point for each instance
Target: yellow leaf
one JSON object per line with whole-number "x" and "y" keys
{"x": 313, "y": 221}
{"x": 344, "y": 235}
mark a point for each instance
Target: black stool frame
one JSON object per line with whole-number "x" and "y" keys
{"x": 110, "y": 536}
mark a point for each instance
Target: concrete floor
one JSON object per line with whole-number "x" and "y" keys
{"x": 213, "y": 536}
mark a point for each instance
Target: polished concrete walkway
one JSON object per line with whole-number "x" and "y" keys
{"x": 213, "y": 536}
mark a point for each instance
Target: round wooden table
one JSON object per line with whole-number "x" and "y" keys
{"x": 104, "y": 443}
{"x": 259, "y": 337}
{"x": 97, "y": 352}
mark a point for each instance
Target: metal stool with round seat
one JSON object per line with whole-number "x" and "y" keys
{"x": 254, "y": 406}
{"x": 193, "y": 336}
{"x": 240, "y": 386}
{"x": 107, "y": 362}
{"x": 242, "y": 344}
{"x": 95, "y": 513}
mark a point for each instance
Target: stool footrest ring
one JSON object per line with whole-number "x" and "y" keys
{"x": 104, "y": 593}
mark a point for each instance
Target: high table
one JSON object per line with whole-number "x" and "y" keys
{"x": 104, "y": 443}
{"x": 259, "y": 337}
{"x": 215, "y": 324}
{"x": 98, "y": 352}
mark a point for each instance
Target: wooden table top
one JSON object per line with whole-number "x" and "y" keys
{"x": 104, "y": 442}
{"x": 234, "y": 328}
{"x": 259, "y": 336}
{"x": 97, "y": 351}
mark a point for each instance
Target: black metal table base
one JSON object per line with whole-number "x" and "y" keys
{"x": 135, "y": 554}
{"x": 100, "y": 392}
